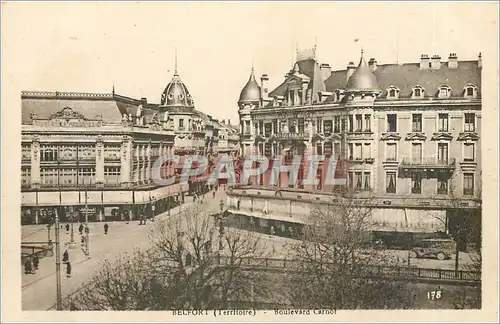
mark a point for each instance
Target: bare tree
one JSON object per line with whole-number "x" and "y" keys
{"x": 183, "y": 269}
{"x": 334, "y": 265}
{"x": 126, "y": 284}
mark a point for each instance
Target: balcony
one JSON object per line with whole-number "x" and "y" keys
{"x": 292, "y": 136}
{"x": 432, "y": 163}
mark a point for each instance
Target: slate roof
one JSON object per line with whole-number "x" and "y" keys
{"x": 402, "y": 76}
{"x": 44, "y": 104}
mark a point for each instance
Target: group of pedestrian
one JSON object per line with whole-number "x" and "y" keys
{"x": 31, "y": 265}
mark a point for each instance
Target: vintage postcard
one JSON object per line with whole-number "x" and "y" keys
{"x": 250, "y": 162}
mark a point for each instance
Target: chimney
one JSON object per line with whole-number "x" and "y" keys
{"x": 424, "y": 62}
{"x": 480, "y": 60}
{"x": 453, "y": 61}
{"x": 223, "y": 121}
{"x": 436, "y": 62}
{"x": 373, "y": 64}
{"x": 144, "y": 100}
{"x": 326, "y": 71}
{"x": 350, "y": 70}
{"x": 264, "y": 84}
{"x": 229, "y": 122}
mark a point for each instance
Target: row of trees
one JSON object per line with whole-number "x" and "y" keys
{"x": 183, "y": 269}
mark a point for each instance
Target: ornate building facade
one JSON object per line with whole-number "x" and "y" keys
{"x": 408, "y": 136}
{"x": 98, "y": 150}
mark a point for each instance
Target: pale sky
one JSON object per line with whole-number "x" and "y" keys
{"x": 87, "y": 47}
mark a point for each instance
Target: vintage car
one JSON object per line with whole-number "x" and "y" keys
{"x": 434, "y": 248}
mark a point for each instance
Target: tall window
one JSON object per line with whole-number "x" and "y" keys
{"x": 25, "y": 177}
{"x": 392, "y": 123}
{"x": 367, "y": 154}
{"x": 416, "y": 125}
{"x": 26, "y": 152}
{"x": 359, "y": 180}
{"x": 86, "y": 176}
{"x": 367, "y": 181}
{"x": 261, "y": 127}
{"x": 267, "y": 129}
{"x": 275, "y": 126}
{"x": 358, "y": 152}
{"x": 48, "y": 153}
{"x": 319, "y": 149}
{"x": 368, "y": 123}
{"x": 328, "y": 148}
{"x": 359, "y": 123}
{"x": 181, "y": 123}
{"x": 350, "y": 179}
{"x": 416, "y": 153}
{"x": 469, "y": 92}
{"x": 442, "y": 122}
{"x": 327, "y": 127}
{"x": 391, "y": 153}
{"x": 390, "y": 182}
{"x": 470, "y": 122}
{"x": 336, "y": 124}
{"x": 67, "y": 177}
{"x": 417, "y": 92}
{"x": 442, "y": 183}
{"x": 112, "y": 175}
{"x": 351, "y": 123}
{"x": 350, "y": 146}
{"x": 319, "y": 124}
{"x": 301, "y": 125}
{"x": 443, "y": 153}
{"x": 247, "y": 127}
{"x": 444, "y": 92}
{"x": 469, "y": 184}
{"x": 48, "y": 177}
{"x": 469, "y": 151}
{"x": 416, "y": 183}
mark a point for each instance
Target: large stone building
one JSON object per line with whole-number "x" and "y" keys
{"x": 99, "y": 150}
{"x": 408, "y": 137}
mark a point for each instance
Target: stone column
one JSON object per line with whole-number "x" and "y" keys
{"x": 35, "y": 162}
{"x": 148, "y": 161}
{"x": 99, "y": 162}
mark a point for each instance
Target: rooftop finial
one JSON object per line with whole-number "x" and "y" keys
{"x": 113, "y": 92}
{"x": 175, "y": 71}
{"x": 361, "y": 51}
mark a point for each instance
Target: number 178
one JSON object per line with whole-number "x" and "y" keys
{"x": 433, "y": 295}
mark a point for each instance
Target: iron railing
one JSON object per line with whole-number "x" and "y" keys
{"x": 432, "y": 161}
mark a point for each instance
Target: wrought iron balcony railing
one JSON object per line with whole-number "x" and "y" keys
{"x": 429, "y": 162}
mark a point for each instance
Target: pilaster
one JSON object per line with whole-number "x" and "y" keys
{"x": 126, "y": 160}
{"x": 35, "y": 162}
{"x": 99, "y": 162}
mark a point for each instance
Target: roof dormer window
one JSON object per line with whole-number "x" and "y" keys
{"x": 393, "y": 92}
{"x": 418, "y": 92}
{"x": 470, "y": 91}
{"x": 444, "y": 91}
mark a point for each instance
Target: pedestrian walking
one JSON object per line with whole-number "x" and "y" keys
{"x": 65, "y": 258}
{"x": 272, "y": 231}
{"x": 87, "y": 229}
{"x": 213, "y": 194}
{"x": 35, "y": 262}
{"x": 106, "y": 227}
{"x": 27, "y": 267}
{"x": 80, "y": 228}
{"x": 67, "y": 228}
{"x": 68, "y": 269}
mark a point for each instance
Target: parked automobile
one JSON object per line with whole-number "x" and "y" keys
{"x": 434, "y": 248}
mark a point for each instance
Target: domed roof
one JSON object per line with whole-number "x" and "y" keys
{"x": 362, "y": 79}
{"x": 251, "y": 91}
{"x": 176, "y": 94}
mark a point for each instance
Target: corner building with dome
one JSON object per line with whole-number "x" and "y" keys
{"x": 98, "y": 150}
{"x": 406, "y": 137}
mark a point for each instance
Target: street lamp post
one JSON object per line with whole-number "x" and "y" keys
{"x": 58, "y": 265}
{"x": 221, "y": 225}
{"x": 87, "y": 229}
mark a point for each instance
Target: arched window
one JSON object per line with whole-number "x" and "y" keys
{"x": 418, "y": 92}
{"x": 470, "y": 91}
{"x": 444, "y": 91}
{"x": 392, "y": 92}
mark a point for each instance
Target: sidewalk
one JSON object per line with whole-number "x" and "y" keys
{"x": 121, "y": 238}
